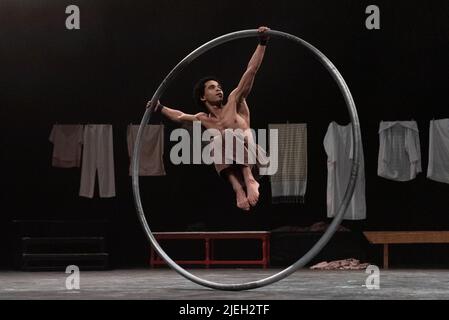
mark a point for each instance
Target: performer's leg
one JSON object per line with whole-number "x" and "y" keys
{"x": 237, "y": 183}
{"x": 252, "y": 186}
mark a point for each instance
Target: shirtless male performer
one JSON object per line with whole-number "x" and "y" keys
{"x": 233, "y": 114}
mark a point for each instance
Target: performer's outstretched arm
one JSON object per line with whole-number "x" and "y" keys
{"x": 170, "y": 113}
{"x": 246, "y": 82}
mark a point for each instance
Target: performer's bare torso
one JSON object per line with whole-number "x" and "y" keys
{"x": 232, "y": 115}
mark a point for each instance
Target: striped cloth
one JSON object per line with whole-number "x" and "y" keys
{"x": 288, "y": 184}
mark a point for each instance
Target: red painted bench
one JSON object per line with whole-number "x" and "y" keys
{"x": 208, "y": 238}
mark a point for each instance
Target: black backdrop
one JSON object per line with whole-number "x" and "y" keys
{"x": 105, "y": 72}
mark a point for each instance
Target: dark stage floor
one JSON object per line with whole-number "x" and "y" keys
{"x": 167, "y": 285}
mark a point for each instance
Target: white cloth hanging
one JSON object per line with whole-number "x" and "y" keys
{"x": 289, "y": 183}
{"x": 438, "y": 168}
{"x": 151, "y": 150}
{"x": 338, "y": 144}
{"x": 399, "y": 150}
{"x": 67, "y": 140}
{"x": 98, "y": 156}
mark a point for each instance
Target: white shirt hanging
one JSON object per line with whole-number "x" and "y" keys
{"x": 399, "y": 150}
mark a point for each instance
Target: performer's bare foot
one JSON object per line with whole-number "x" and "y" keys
{"x": 252, "y": 189}
{"x": 242, "y": 201}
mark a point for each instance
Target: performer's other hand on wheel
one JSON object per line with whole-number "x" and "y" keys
{"x": 158, "y": 105}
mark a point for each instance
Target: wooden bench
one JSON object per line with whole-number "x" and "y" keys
{"x": 403, "y": 237}
{"x": 208, "y": 238}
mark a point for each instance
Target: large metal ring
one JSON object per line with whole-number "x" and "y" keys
{"x": 356, "y": 135}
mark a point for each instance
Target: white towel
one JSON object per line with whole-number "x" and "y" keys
{"x": 151, "y": 149}
{"x": 288, "y": 184}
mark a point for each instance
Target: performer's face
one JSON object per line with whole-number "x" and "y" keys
{"x": 213, "y": 92}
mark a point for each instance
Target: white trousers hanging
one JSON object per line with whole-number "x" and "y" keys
{"x": 98, "y": 156}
